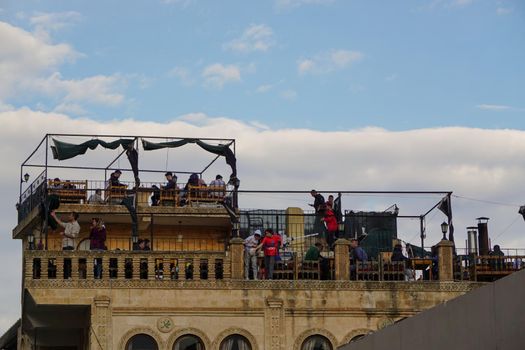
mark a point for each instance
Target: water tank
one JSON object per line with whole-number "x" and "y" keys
{"x": 472, "y": 240}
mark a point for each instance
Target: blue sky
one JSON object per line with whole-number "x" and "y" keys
{"x": 318, "y": 64}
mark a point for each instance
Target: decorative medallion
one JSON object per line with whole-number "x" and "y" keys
{"x": 384, "y": 322}
{"x": 165, "y": 324}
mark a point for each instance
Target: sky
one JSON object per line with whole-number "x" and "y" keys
{"x": 331, "y": 94}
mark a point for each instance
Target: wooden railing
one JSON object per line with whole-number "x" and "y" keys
{"x": 126, "y": 265}
{"x": 69, "y": 191}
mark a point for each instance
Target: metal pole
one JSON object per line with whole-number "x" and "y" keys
{"x": 422, "y": 232}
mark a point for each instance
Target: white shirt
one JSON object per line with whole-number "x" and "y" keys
{"x": 71, "y": 229}
{"x": 250, "y": 242}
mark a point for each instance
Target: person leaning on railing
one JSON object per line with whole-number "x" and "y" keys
{"x": 250, "y": 254}
{"x": 270, "y": 243}
{"x": 97, "y": 242}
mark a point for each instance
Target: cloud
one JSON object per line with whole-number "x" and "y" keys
{"x": 329, "y": 61}
{"x": 30, "y": 64}
{"x": 488, "y": 107}
{"x": 97, "y": 89}
{"x": 217, "y": 75}
{"x": 474, "y": 163}
{"x": 257, "y": 37}
{"x": 183, "y": 74}
{"x": 289, "y": 4}
{"x": 289, "y": 94}
{"x": 23, "y": 56}
{"x": 44, "y": 23}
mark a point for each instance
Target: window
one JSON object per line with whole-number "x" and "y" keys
{"x": 316, "y": 342}
{"x": 235, "y": 342}
{"x": 142, "y": 342}
{"x": 188, "y": 342}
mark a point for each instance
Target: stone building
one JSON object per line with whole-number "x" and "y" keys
{"x": 189, "y": 291}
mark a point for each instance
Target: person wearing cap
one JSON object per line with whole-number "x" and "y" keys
{"x": 114, "y": 178}
{"x": 250, "y": 254}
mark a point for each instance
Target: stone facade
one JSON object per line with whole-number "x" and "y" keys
{"x": 270, "y": 314}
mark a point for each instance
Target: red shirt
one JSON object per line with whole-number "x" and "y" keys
{"x": 331, "y": 221}
{"x": 270, "y": 245}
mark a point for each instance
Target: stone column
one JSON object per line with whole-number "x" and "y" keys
{"x": 274, "y": 324}
{"x": 342, "y": 259}
{"x": 237, "y": 258}
{"x": 445, "y": 260}
{"x": 101, "y": 323}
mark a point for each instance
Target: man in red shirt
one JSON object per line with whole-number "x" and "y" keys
{"x": 270, "y": 243}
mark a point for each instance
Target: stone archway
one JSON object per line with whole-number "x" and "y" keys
{"x": 314, "y": 331}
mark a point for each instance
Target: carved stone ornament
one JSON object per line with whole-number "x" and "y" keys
{"x": 384, "y": 322}
{"x": 165, "y": 324}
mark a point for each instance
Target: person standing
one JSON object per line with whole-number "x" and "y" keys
{"x": 270, "y": 245}
{"x": 71, "y": 230}
{"x": 70, "y": 233}
{"x": 250, "y": 254}
{"x": 318, "y": 205}
{"x": 331, "y": 227}
{"x": 97, "y": 242}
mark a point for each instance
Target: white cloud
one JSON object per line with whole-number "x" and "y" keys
{"x": 372, "y": 158}
{"x": 44, "y": 23}
{"x": 97, "y": 89}
{"x": 183, "y": 74}
{"x": 289, "y": 94}
{"x": 489, "y": 107}
{"x": 29, "y": 65}
{"x": 216, "y": 75}
{"x": 288, "y": 4}
{"x": 23, "y": 57}
{"x": 257, "y": 37}
{"x": 329, "y": 61}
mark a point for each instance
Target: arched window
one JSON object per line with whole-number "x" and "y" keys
{"x": 142, "y": 342}
{"x": 357, "y": 337}
{"x": 316, "y": 342}
{"x": 188, "y": 342}
{"x": 235, "y": 342}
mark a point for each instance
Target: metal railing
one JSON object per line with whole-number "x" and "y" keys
{"x": 32, "y": 197}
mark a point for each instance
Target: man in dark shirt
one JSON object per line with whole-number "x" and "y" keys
{"x": 172, "y": 181}
{"x": 318, "y": 200}
{"x": 114, "y": 178}
{"x": 318, "y": 206}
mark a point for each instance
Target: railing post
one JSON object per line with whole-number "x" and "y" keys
{"x": 105, "y": 266}
{"x": 74, "y": 268}
{"x": 342, "y": 259}
{"x": 445, "y": 260}
{"x": 60, "y": 267}
{"x": 29, "y": 264}
{"x": 121, "y": 267}
{"x": 196, "y": 268}
{"x": 136, "y": 267}
{"x": 237, "y": 258}
{"x": 211, "y": 267}
{"x": 151, "y": 267}
{"x": 90, "y": 265}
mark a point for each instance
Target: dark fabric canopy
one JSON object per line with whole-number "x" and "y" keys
{"x": 63, "y": 150}
{"x": 221, "y": 150}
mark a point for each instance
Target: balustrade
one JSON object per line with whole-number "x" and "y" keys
{"x": 78, "y": 265}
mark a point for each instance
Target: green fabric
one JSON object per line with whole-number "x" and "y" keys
{"x": 63, "y": 150}
{"x": 312, "y": 254}
{"x": 150, "y": 146}
{"x": 221, "y": 150}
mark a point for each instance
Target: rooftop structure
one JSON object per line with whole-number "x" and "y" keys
{"x": 189, "y": 288}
